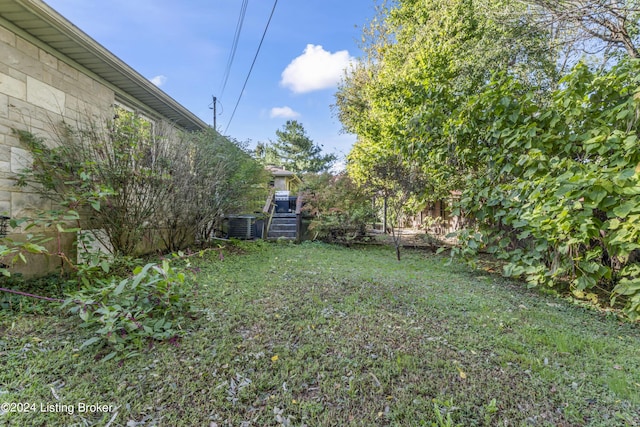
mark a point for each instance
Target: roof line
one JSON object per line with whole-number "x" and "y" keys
{"x": 44, "y": 12}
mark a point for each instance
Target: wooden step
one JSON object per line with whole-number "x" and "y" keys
{"x": 283, "y": 226}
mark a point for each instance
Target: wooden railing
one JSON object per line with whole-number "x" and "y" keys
{"x": 299, "y": 202}
{"x": 269, "y": 209}
{"x": 268, "y": 202}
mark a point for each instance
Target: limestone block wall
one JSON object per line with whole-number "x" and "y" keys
{"x": 39, "y": 89}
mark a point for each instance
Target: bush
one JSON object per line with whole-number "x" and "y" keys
{"x": 560, "y": 199}
{"x": 127, "y": 315}
{"x": 130, "y": 176}
{"x": 341, "y": 210}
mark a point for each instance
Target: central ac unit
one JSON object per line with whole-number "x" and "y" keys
{"x": 242, "y": 226}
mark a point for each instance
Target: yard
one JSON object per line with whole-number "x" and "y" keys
{"x": 318, "y": 335}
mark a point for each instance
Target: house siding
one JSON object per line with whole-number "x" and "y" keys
{"x": 77, "y": 82}
{"x": 38, "y": 91}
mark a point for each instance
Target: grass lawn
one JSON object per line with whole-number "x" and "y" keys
{"x": 316, "y": 335}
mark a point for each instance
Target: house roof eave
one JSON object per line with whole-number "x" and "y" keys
{"x": 43, "y": 23}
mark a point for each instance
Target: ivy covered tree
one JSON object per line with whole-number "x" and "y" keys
{"x": 547, "y": 160}
{"x": 562, "y": 200}
{"x": 295, "y": 151}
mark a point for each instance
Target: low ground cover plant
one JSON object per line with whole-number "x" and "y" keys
{"x": 128, "y": 315}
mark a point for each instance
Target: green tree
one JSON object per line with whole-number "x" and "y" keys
{"x": 400, "y": 183}
{"x": 295, "y": 151}
{"x": 424, "y": 58}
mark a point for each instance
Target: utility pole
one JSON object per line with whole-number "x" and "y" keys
{"x": 214, "y": 113}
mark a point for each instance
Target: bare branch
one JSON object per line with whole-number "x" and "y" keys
{"x": 612, "y": 22}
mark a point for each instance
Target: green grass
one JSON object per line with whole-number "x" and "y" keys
{"x": 318, "y": 335}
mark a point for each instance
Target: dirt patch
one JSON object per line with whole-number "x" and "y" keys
{"x": 410, "y": 238}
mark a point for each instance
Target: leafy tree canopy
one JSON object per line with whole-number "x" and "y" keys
{"x": 423, "y": 59}
{"x": 472, "y": 92}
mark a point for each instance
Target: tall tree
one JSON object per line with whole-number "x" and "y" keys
{"x": 424, "y": 58}
{"x": 593, "y": 25}
{"x": 295, "y": 151}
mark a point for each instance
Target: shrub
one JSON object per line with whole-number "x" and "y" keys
{"x": 130, "y": 176}
{"x": 340, "y": 209}
{"x": 560, "y": 199}
{"x": 124, "y": 316}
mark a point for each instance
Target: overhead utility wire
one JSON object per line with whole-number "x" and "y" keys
{"x": 234, "y": 45}
{"x": 252, "y": 64}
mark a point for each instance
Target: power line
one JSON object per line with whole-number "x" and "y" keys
{"x": 234, "y": 45}
{"x": 252, "y": 64}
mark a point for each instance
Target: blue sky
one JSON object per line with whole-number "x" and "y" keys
{"x": 183, "y": 47}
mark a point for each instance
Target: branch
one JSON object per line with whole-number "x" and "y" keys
{"x": 24, "y": 294}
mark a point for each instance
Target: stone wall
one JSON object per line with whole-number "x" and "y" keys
{"x": 38, "y": 91}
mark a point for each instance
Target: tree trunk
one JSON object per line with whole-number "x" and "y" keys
{"x": 384, "y": 215}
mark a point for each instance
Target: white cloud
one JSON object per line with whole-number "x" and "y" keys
{"x": 315, "y": 69}
{"x": 338, "y": 167}
{"x": 159, "y": 80}
{"x": 283, "y": 112}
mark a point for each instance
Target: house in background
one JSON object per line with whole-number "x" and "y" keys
{"x": 50, "y": 72}
{"x": 283, "y": 180}
{"x": 437, "y": 217}
{"x": 283, "y": 208}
